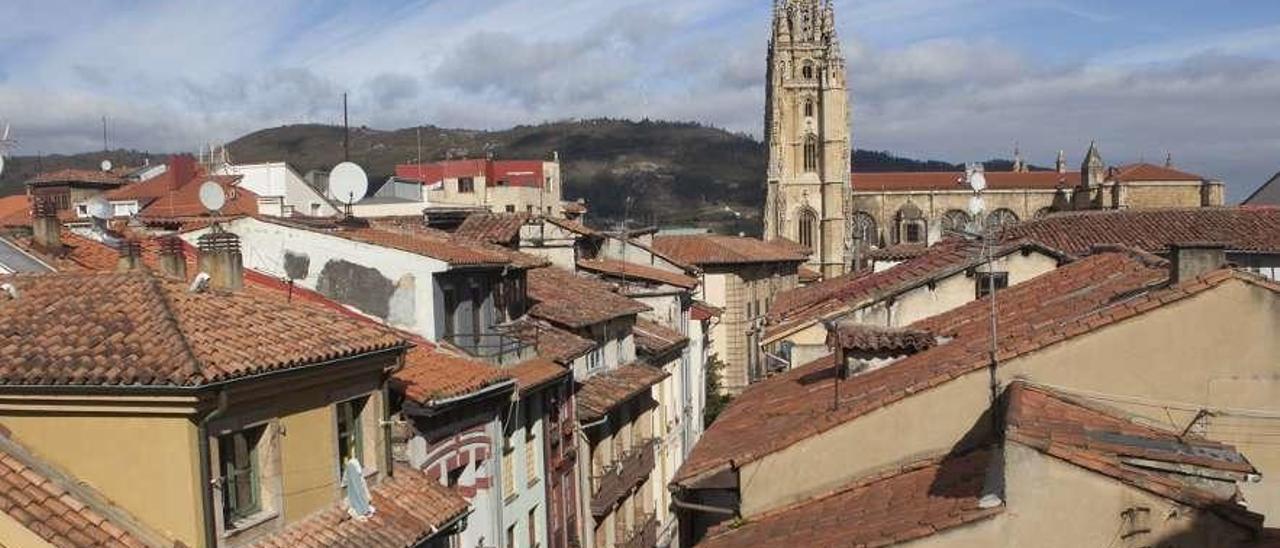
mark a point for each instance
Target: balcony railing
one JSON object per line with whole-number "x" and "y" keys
{"x": 495, "y": 348}
{"x": 621, "y": 477}
{"x": 644, "y": 534}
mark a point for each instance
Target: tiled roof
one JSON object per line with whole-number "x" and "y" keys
{"x": 184, "y": 202}
{"x": 409, "y": 508}
{"x": 533, "y": 374}
{"x": 552, "y": 342}
{"x": 917, "y": 500}
{"x": 576, "y": 301}
{"x": 15, "y": 204}
{"x": 954, "y": 180}
{"x": 1107, "y": 443}
{"x": 136, "y": 328}
{"x": 431, "y": 374}
{"x": 900, "y": 252}
{"x": 498, "y": 228}
{"x": 638, "y": 271}
{"x": 711, "y": 249}
{"x": 1153, "y": 230}
{"x": 655, "y": 339}
{"x": 808, "y": 275}
{"x": 61, "y": 510}
{"x": 603, "y": 392}
{"x": 703, "y": 311}
{"x": 420, "y": 242}
{"x": 572, "y": 226}
{"x": 871, "y": 338}
{"x": 1149, "y": 172}
{"x": 802, "y": 306}
{"x": 94, "y": 176}
{"x": 574, "y": 207}
{"x": 1067, "y": 302}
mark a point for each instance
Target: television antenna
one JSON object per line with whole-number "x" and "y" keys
{"x": 212, "y": 197}
{"x": 348, "y": 183}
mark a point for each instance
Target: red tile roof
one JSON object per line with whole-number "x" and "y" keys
{"x": 710, "y": 249}
{"x": 497, "y": 228}
{"x": 576, "y": 301}
{"x": 534, "y": 374}
{"x": 876, "y": 339}
{"x": 1105, "y": 442}
{"x": 1153, "y": 230}
{"x": 808, "y": 275}
{"x": 1075, "y": 299}
{"x": 93, "y": 176}
{"x": 409, "y": 508}
{"x": 60, "y": 509}
{"x": 900, "y": 252}
{"x": 425, "y": 242}
{"x": 574, "y": 207}
{"x": 552, "y": 342}
{"x": 521, "y": 173}
{"x": 917, "y": 500}
{"x": 17, "y": 204}
{"x": 572, "y": 226}
{"x": 954, "y": 180}
{"x": 1149, "y": 172}
{"x": 802, "y": 306}
{"x": 655, "y": 339}
{"x": 605, "y": 391}
{"x": 136, "y": 328}
{"x": 431, "y": 374}
{"x": 703, "y": 311}
{"x": 185, "y": 201}
{"x": 619, "y": 269}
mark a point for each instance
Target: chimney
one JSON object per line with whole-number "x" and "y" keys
{"x": 220, "y": 258}
{"x": 182, "y": 168}
{"x": 1190, "y": 260}
{"x": 130, "y": 255}
{"x": 45, "y": 227}
{"x": 173, "y": 262}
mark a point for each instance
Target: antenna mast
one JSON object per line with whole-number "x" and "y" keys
{"x": 104, "y": 134}
{"x": 346, "y": 131}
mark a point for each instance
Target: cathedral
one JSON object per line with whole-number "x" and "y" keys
{"x": 814, "y": 199}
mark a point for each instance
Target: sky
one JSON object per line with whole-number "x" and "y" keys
{"x": 956, "y": 80}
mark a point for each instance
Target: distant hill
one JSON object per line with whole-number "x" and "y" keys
{"x": 676, "y": 173}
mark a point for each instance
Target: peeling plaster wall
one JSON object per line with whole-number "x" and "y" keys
{"x": 393, "y": 286}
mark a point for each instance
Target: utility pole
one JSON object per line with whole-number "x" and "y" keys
{"x": 104, "y": 134}
{"x": 346, "y": 131}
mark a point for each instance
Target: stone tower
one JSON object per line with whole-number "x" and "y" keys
{"x": 806, "y": 131}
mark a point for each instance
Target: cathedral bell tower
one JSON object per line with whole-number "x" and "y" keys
{"x": 806, "y": 132}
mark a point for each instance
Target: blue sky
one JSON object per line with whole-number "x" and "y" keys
{"x": 959, "y": 80}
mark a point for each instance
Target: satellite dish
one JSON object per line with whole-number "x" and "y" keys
{"x": 348, "y": 183}
{"x": 99, "y": 208}
{"x": 976, "y": 205}
{"x": 212, "y": 197}
{"x": 975, "y": 178}
{"x": 1, "y": 163}
{"x": 105, "y": 165}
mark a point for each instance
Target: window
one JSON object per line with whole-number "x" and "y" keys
{"x": 466, "y": 185}
{"x": 807, "y": 72}
{"x": 508, "y": 467}
{"x": 594, "y": 358}
{"x": 528, "y": 209}
{"x": 913, "y": 234}
{"x": 808, "y": 229}
{"x": 808, "y": 108}
{"x": 511, "y": 209}
{"x": 983, "y": 282}
{"x": 450, "y": 312}
{"x": 477, "y": 306}
{"x": 533, "y": 526}
{"x": 238, "y": 466}
{"x": 511, "y": 537}
{"x": 350, "y": 435}
{"x": 810, "y": 153}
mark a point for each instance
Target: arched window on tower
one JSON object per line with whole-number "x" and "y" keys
{"x": 807, "y": 71}
{"x": 810, "y": 153}
{"x": 809, "y": 229}
{"x": 912, "y": 227}
{"x": 808, "y": 108}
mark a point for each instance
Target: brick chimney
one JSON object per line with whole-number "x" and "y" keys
{"x": 45, "y": 227}
{"x": 1190, "y": 260}
{"x": 182, "y": 168}
{"x": 173, "y": 262}
{"x": 130, "y": 255}
{"x": 220, "y": 258}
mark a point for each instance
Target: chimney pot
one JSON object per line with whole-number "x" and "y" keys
{"x": 1190, "y": 260}
{"x": 173, "y": 261}
{"x": 46, "y": 229}
{"x": 220, "y": 258}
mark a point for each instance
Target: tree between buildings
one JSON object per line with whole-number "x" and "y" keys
{"x": 716, "y": 400}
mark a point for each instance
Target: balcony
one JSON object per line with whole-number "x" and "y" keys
{"x": 643, "y": 535}
{"x": 495, "y": 348}
{"x": 621, "y": 478}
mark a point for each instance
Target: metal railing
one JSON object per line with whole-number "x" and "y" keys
{"x": 493, "y": 347}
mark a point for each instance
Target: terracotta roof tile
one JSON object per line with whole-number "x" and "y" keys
{"x": 870, "y": 338}
{"x": 1071, "y": 300}
{"x": 808, "y": 275}
{"x": 572, "y": 226}
{"x": 536, "y": 373}
{"x": 709, "y": 249}
{"x": 574, "y": 207}
{"x": 428, "y": 243}
{"x": 552, "y": 342}
{"x": 1149, "y": 172}
{"x": 410, "y": 507}
{"x": 61, "y": 510}
{"x": 429, "y": 375}
{"x": 94, "y": 176}
{"x": 655, "y": 339}
{"x": 637, "y": 271}
{"x": 954, "y": 180}
{"x": 184, "y": 202}
{"x": 576, "y": 301}
{"x": 136, "y": 328}
{"x": 703, "y": 311}
{"x": 900, "y": 252}
{"x": 605, "y": 391}
{"x": 1154, "y": 230}
{"x": 920, "y": 500}
{"x": 15, "y": 204}
{"x": 497, "y": 228}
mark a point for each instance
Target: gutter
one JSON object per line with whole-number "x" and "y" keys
{"x": 206, "y": 479}
{"x": 431, "y": 408}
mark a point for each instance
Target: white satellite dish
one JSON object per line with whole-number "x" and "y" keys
{"x": 976, "y": 205}
{"x": 212, "y": 197}
{"x": 1, "y": 163}
{"x": 99, "y": 208}
{"x": 348, "y": 183}
{"x": 975, "y": 177}
{"x": 105, "y": 165}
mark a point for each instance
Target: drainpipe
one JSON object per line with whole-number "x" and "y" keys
{"x": 206, "y": 479}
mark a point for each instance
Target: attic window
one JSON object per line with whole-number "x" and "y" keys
{"x": 982, "y": 282}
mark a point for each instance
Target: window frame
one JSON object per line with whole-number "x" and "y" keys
{"x": 466, "y": 185}
{"x": 982, "y": 282}
{"x": 232, "y": 512}
{"x": 355, "y": 432}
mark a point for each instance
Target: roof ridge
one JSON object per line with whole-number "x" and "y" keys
{"x": 172, "y": 314}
